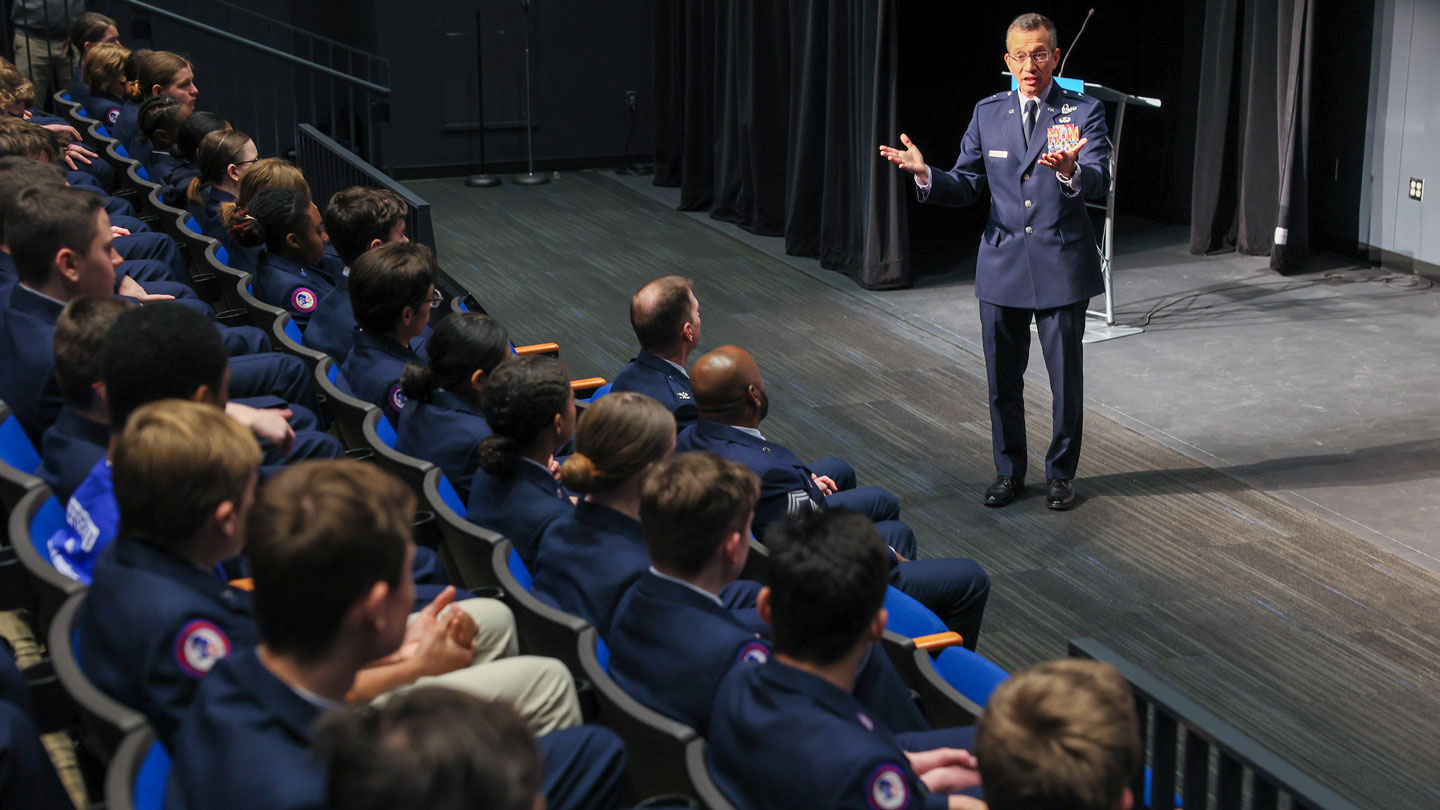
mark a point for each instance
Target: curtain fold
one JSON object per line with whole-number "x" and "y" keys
{"x": 772, "y": 117}
{"x": 1252, "y": 132}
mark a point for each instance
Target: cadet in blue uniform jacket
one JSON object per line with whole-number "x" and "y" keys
{"x": 825, "y": 606}
{"x": 392, "y": 289}
{"x": 357, "y": 219}
{"x": 159, "y": 73}
{"x": 587, "y": 559}
{"x": 289, "y": 274}
{"x": 528, "y": 404}
{"x": 1037, "y": 256}
{"x": 442, "y": 421}
{"x": 732, "y": 399}
{"x": 666, "y": 320}
{"x": 246, "y": 741}
{"x": 673, "y": 638}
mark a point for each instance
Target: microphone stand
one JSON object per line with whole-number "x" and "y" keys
{"x": 530, "y": 178}
{"x": 484, "y": 179}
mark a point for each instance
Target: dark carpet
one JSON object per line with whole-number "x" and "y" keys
{"x": 1323, "y": 648}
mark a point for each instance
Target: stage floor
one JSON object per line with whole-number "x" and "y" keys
{"x": 1254, "y": 477}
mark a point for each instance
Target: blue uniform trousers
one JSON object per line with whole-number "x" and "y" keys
{"x": 583, "y": 768}
{"x": 1006, "y": 334}
{"x": 955, "y": 588}
{"x": 874, "y": 502}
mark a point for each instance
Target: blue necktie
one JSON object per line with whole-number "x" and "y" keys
{"x": 1031, "y": 108}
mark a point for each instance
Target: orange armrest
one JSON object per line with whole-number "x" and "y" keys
{"x": 589, "y": 384}
{"x": 539, "y": 348}
{"x": 243, "y": 584}
{"x": 937, "y": 641}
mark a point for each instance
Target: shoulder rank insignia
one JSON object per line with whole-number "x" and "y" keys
{"x": 1067, "y": 109}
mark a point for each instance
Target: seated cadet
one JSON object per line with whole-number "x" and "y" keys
{"x": 17, "y": 97}
{"x": 263, "y": 174}
{"x": 732, "y": 399}
{"x": 72, "y": 446}
{"x": 184, "y": 476}
{"x": 433, "y": 748}
{"x": 104, "y": 72}
{"x": 159, "y": 73}
{"x": 442, "y": 421}
{"x": 175, "y": 182}
{"x": 589, "y": 557}
{"x": 666, "y": 320}
{"x": 825, "y": 606}
{"x": 223, "y": 159}
{"x": 289, "y": 272}
{"x": 163, "y": 351}
{"x": 1062, "y": 734}
{"x": 156, "y": 255}
{"x": 392, "y": 290}
{"x": 672, "y": 638}
{"x": 56, "y": 258}
{"x": 357, "y": 219}
{"x": 530, "y": 410}
{"x": 330, "y": 547}
{"x": 87, "y": 31}
{"x": 160, "y": 119}
{"x": 28, "y": 780}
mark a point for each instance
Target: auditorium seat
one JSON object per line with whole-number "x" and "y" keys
{"x": 347, "y": 412}
{"x": 104, "y": 721}
{"x": 705, "y": 788}
{"x": 38, "y": 516}
{"x": 21, "y": 461}
{"x": 380, "y": 438}
{"x": 656, "y": 743}
{"x": 467, "y": 549}
{"x": 138, "y": 773}
{"x": 543, "y": 629}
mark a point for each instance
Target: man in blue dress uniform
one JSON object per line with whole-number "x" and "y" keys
{"x": 666, "y": 320}
{"x": 1037, "y": 256}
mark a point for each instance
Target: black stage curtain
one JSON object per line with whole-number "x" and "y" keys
{"x": 770, "y": 115}
{"x": 1252, "y": 133}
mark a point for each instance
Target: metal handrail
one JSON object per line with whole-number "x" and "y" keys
{"x": 333, "y": 43}
{"x": 249, "y": 43}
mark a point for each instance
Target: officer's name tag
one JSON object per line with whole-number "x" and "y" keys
{"x": 998, "y": 153}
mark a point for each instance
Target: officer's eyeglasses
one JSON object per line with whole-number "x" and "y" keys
{"x": 435, "y": 298}
{"x": 1039, "y": 57}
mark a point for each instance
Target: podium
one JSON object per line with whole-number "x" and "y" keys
{"x": 1101, "y": 325}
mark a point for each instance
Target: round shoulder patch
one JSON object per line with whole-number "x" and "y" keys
{"x": 198, "y": 646}
{"x": 886, "y": 788}
{"x": 113, "y": 115}
{"x": 304, "y": 299}
{"x": 753, "y": 653}
{"x": 397, "y": 399}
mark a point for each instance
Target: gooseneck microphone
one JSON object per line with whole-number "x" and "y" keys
{"x": 1071, "y": 49}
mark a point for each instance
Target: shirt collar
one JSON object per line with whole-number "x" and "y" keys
{"x": 697, "y": 589}
{"x": 40, "y": 304}
{"x": 750, "y": 431}
{"x": 384, "y": 344}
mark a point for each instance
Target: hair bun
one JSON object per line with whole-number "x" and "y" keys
{"x": 578, "y": 473}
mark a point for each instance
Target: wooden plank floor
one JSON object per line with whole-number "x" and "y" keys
{"x": 1322, "y": 647}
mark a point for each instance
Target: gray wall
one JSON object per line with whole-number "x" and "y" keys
{"x": 1404, "y": 123}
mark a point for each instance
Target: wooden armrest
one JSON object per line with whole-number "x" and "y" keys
{"x": 937, "y": 641}
{"x": 243, "y": 584}
{"x": 588, "y": 385}
{"x": 539, "y": 348}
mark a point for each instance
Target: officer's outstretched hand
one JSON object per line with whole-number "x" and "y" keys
{"x": 908, "y": 159}
{"x": 1064, "y": 162}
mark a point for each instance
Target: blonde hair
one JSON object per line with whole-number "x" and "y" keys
{"x": 268, "y": 173}
{"x": 616, "y": 438}
{"x": 174, "y": 463}
{"x": 103, "y": 64}
{"x": 15, "y": 87}
{"x": 1063, "y": 734}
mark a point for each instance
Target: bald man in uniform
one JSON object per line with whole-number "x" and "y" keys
{"x": 666, "y": 320}
{"x": 730, "y": 393}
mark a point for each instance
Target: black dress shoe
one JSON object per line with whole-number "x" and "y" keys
{"x": 1061, "y": 495}
{"x": 1004, "y": 490}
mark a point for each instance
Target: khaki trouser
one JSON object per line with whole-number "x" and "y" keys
{"x": 540, "y": 689}
{"x": 46, "y": 62}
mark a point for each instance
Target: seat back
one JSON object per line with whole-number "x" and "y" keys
{"x": 262, "y": 315}
{"x": 656, "y": 743}
{"x": 696, "y": 765}
{"x": 757, "y": 564}
{"x": 908, "y": 617}
{"x": 20, "y": 461}
{"x": 468, "y": 550}
{"x": 104, "y": 721}
{"x": 285, "y": 336}
{"x": 970, "y": 673}
{"x": 137, "y": 774}
{"x": 39, "y": 515}
{"x": 543, "y": 629}
{"x": 380, "y": 438}
{"x": 346, "y": 411}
